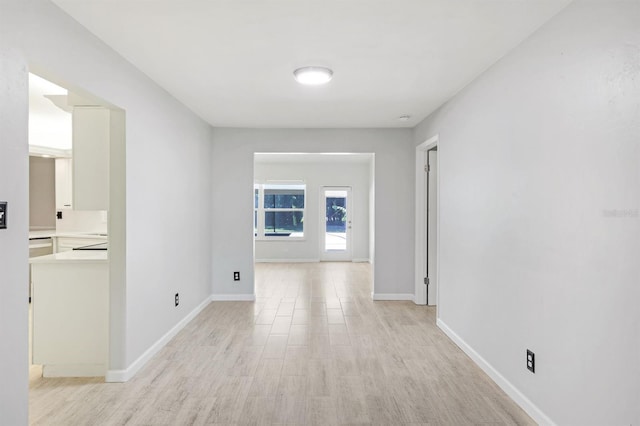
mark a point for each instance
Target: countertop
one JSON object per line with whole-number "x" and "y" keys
{"x": 73, "y": 256}
{"x": 48, "y": 233}
{"x": 42, "y": 233}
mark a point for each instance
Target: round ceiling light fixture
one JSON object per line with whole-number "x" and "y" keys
{"x": 313, "y": 76}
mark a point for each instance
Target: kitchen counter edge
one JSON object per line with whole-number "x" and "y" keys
{"x": 74, "y": 256}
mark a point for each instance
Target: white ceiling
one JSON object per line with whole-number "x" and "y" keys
{"x": 231, "y": 61}
{"x": 49, "y": 126}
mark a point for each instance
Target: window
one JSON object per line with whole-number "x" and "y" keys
{"x": 279, "y": 211}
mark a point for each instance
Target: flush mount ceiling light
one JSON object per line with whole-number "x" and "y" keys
{"x": 313, "y": 76}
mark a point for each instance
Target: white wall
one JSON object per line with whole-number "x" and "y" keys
{"x": 14, "y": 189}
{"x": 92, "y": 221}
{"x": 233, "y": 151}
{"x": 540, "y": 231}
{"x": 315, "y": 175}
{"x": 168, "y": 186}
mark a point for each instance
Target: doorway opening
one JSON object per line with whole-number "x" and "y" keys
{"x": 77, "y": 208}
{"x": 427, "y": 223}
{"x": 313, "y": 207}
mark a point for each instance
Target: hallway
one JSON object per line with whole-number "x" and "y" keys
{"x": 313, "y": 349}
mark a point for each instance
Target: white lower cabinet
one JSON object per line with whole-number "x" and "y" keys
{"x": 71, "y": 318}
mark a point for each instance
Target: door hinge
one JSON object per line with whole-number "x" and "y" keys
{"x": 426, "y": 280}
{"x": 427, "y": 168}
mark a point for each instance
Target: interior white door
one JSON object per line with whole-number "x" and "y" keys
{"x": 432, "y": 227}
{"x": 335, "y": 234}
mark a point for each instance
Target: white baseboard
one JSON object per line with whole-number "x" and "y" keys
{"x": 233, "y": 297}
{"x": 421, "y": 303}
{"x": 129, "y": 372}
{"x": 287, "y": 260}
{"x": 392, "y": 296}
{"x": 529, "y": 407}
{"x": 360, "y": 260}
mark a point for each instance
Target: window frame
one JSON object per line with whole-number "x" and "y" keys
{"x": 260, "y": 211}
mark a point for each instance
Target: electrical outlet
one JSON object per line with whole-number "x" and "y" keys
{"x": 531, "y": 361}
{"x": 236, "y": 276}
{"x": 177, "y": 299}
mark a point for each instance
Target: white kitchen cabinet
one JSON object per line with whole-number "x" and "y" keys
{"x": 64, "y": 183}
{"x": 91, "y": 137}
{"x": 71, "y": 314}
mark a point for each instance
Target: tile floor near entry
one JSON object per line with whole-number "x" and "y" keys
{"x": 313, "y": 349}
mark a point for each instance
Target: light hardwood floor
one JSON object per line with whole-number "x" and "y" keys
{"x": 313, "y": 349}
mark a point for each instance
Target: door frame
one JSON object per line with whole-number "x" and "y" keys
{"x": 325, "y": 256}
{"x": 117, "y": 370}
{"x": 421, "y": 217}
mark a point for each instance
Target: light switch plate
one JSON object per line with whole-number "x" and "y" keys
{"x": 3, "y": 214}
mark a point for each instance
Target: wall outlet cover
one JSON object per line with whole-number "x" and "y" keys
{"x": 3, "y": 214}
{"x": 531, "y": 361}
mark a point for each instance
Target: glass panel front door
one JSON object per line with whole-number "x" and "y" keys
{"x": 337, "y": 228}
